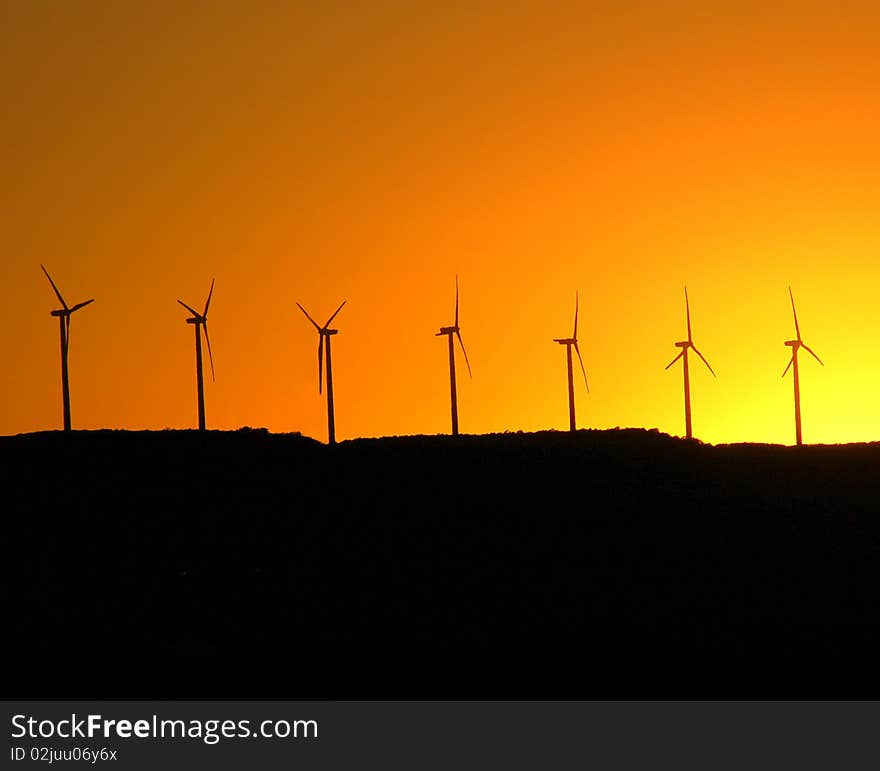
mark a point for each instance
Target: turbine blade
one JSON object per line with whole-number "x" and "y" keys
{"x": 208, "y": 301}
{"x": 575, "y": 335}
{"x": 687, "y": 306}
{"x": 704, "y": 360}
{"x": 812, "y": 353}
{"x": 456, "y": 301}
{"x": 458, "y": 335}
{"x": 797, "y": 329}
{"x": 675, "y": 359}
{"x": 194, "y": 312}
{"x": 309, "y": 317}
{"x": 578, "y": 352}
{"x": 57, "y": 293}
{"x": 81, "y": 305}
{"x": 67, "y": 334}
{"x": 334, "y": 314}
{"x": 320, "y": 361}
{"x": 210, "y": 355}
{"x": 787, "y": 366}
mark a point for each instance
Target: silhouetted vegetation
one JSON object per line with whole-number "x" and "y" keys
{"x": 609, "y": 564}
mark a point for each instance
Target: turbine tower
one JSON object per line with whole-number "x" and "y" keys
{"x": 686, "y": 345}
{"x": 326, "y": 332}
{"x": 793, "y": 363}
{"x": 568, "y": 342}
{"x": 63, "y": 313}
{"x": 449, "y": 332}
{"x": 199, "y": 321}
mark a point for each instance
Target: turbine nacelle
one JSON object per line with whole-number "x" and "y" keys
{"x": 323, "y": 332}
{"x": 455, "y": 329}
{"x": 689, "y": 343}
{"x": 573, "y": 341}
{"x": 202, "y": 319}
{"x": 65, "y": 310}
{"x": 798, "y": 342}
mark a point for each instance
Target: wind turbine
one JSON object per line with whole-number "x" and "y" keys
{"x": 685, "y": 345}
{"x": 449, "y": 332}
{"x": 63, "y": 315}
{"x": 326, "y": 332}
{"x": 793, "y": 362}
{"x": 199, "y": 320}
{"x": 568, "y": 342}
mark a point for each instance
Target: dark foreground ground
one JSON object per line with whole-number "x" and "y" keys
{"x": 603, "y": 564}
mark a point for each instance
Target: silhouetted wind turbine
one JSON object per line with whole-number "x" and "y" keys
{"x": 568, "y": 342}
{"x": 685, "y": 345}
{"x": 199, "y": 320}
{"x": 326, "y": 332}
{"x": 449, "y": 332}
{"x": 63, "y": 315}
{"x": 795, "y": 345}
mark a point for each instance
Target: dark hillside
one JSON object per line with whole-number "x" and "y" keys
{"x": 600, "y": 564}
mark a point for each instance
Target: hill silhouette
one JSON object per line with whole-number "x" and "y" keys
{"x": 620, "y": 563}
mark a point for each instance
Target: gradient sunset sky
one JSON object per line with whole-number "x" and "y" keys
{"x": 370, "y": 151}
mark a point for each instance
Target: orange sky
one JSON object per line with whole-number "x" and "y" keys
{"x": 368, "y": 152}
